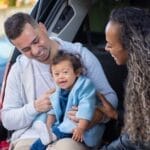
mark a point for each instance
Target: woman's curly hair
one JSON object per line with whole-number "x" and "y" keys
{"x": 135, "y": 38}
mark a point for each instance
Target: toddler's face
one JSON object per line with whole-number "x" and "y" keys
{"x": 64, "y": 74}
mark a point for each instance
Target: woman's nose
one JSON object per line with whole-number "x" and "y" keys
{"x": 107, "y": 47}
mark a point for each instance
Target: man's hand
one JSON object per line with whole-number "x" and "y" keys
{"x": 43, "y": 104}
{"x": 72, "y": 114}
{"x": 107, "y": 108}
{"x": 98, "y": 116}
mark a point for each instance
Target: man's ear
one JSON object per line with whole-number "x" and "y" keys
{"x": 42, "y": 27}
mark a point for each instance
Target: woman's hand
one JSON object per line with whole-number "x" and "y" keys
{"x": 97, "y": 117}
{"x": 107, "y": 108}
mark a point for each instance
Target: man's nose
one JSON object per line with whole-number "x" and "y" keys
{"x": 35, "y": 50}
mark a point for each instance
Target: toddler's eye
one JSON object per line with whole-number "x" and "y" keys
{"x": 65, "y": 72}
{"x": 56, "y": 74}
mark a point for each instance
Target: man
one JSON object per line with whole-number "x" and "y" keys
{"x": 29, "y": 78}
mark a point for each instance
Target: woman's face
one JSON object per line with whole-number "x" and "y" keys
{"x": 114, "y": 44}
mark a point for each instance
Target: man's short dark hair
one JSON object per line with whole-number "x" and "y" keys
{"x": 14, "y": 24}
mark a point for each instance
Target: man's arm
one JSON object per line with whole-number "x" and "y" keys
{"x": 17, "y": 113}
{"x": 96, "y": 73}
{"x": 94, "y": 70}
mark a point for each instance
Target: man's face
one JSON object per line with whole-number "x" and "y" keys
{"x": 34, "y": 43}
{"x": 64, "y": 75}
{"x": 114, "y": 45}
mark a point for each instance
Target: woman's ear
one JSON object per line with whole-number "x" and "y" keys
{"x": 42, "y": 27}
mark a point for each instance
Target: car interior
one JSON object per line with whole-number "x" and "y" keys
{"x": 82, "y": 21}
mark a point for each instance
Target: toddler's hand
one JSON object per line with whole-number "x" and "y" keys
{"x": 78, "y": 134}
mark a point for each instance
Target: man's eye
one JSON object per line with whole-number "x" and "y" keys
{"x": 26, "y": 49}
{"x": 36, "y": 41}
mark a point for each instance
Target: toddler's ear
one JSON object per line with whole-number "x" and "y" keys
{"x": 79, "y": 72}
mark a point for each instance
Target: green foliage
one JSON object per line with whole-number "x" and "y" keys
{"x": 12, "y": 2}
{"x": 100, "y": 11}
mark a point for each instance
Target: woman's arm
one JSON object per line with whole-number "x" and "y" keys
{"x": 107, "y": 108}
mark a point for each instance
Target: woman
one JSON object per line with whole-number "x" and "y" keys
{"x": 128, "y": 41}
